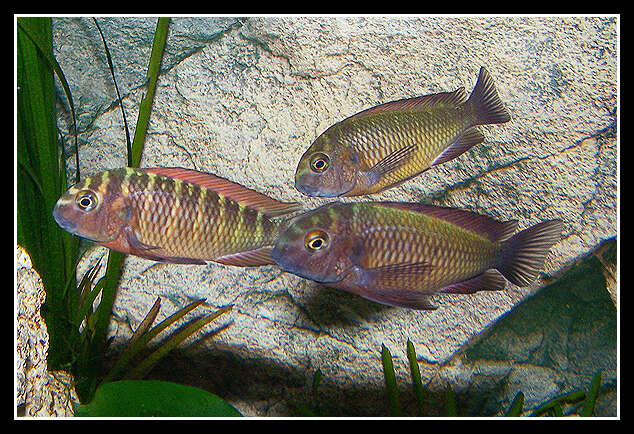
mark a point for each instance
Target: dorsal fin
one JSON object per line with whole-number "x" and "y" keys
{"x": 454, "y": 98}
{"x": 493, "y": 229}
{"x": 228, "y": 189}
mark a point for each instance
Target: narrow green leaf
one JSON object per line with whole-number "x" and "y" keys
{"x": 390, "y": 382}
{"x": 116, "y": 88}
{"x": 160, "y": 36}
{"x": 316, "y": 381}
{"x": 592, "y": 396}
{"x": 152, "y": 398}
{"x": 141, "y": 336}
{"x": 146, "y": 365}
{"x": 450, "y": 403}
{"x": 85, "y": 292}
{"x": 568, "y": 398}
{"x": 28, "y": 26}
{"x": 91, "y": 360}
{"x": 146, "y": 323}
{"x": 517, "y": 405}
{"x": 39, "y": 184}
{"x": 416, "y": 380}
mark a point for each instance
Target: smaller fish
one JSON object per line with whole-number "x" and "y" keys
{"x": 173, "y": 215}
{"x": 386, "y": 145}
{"x": 399, "y": 253}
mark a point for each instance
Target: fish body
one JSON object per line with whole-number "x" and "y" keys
{"x": 399, "y": 253}
{"x": 173, "y": 215}
{"x": 386, "y": 145}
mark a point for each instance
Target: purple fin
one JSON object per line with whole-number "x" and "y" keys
{"x": 466, "y": 141}
{"x": 376, "y": 286}
{"x": 135, "y": 243}
{"x": 524, "y": 254}
{"x": 452, "y": 99}
{"x": 486, "y": 226}
{"x": 390, "y": 163}
{"x": 490, "y": 280}
{"x": 251, "y": 258}
{"x": 391, "y": 297}
{"x": 485, "y": 101}
{"x": 403, "y": 298}
{"x": 229, "y": 189}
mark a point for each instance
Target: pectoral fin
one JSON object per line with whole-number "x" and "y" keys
{"x": 390, "y": 163}
{"x": 251, "y": 258}
{"x": 386, "y": 285}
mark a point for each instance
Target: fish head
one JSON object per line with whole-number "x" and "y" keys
{"x": 327, "y": 168}
{"x": 94, "y": 209}
{"x": 317, "y": 245}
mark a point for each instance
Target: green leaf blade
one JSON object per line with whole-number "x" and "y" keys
{"x": 390, "y": 382}
{"x": 153, "y": 398}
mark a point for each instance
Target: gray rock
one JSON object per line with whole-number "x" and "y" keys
{"x": 243, "y": 98}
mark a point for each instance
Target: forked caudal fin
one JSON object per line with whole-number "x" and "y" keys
{"x": 524, "y": 253}
{"x": 485, "y": 102}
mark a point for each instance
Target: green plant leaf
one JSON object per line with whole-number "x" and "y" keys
{"x": 390, "y": 382}
{"x": 567, "y": 398}
{"x": 143, "y": 336}
{"x": 517, "y": 406}
{"x": 172, "y": 342}
{"x": 40, "y": 181}
{"x": 592, "y": 396}
{"x": 416, "y": 380}
{"x": 450, "y": 402}
{"x": 152, "y": 398}
{"x": 160, "y": 36}
{"x": 116, "y": 88}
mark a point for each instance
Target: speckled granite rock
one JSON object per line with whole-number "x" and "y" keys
{"x": 243, "y": 98}
{"x": 39, "y": 392}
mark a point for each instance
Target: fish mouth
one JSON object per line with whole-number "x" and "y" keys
{"x": 63, "y": 222}
{"x": 280, "y": 259}
{"x": 315, "y": 191}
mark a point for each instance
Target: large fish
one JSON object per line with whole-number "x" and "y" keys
{"x": 386, "y": 145}
{"x": 173, "y": 215}
{"x": 398, "y": 253}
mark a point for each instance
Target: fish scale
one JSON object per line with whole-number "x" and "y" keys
{"x": 385, "y": 145}
{"x": 398, "y": 253}
{"x": 174, "y": 215}
{"x": 452, "y": 252}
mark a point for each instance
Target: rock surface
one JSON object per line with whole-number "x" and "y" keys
{"x": 243, "y": 98}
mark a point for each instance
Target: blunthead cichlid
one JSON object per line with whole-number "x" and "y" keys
{"x": 173, "y": 215}
{"x": 399, "y": 253}
{"x": 391, "y": 143}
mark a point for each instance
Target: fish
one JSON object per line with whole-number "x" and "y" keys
{"x": 400, "y": 253}
{"x": 173, "y": 215}
{"x": 386, "y": 145}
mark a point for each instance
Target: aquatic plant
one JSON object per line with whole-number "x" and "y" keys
{"x": 77, "y": 329}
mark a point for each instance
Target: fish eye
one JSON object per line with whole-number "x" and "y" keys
{"x": 319, "y": 162}
{"x": 316, "y": 240}
{"x": 86, "y": 200}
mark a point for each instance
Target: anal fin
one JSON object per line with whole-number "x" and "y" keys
{"x": 490, "y": 280}
{"x": 470, "y": 137}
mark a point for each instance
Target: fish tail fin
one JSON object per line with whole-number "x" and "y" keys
{"x": 486, "y": 105}
{"x": 524, "y": 253}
